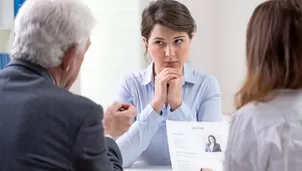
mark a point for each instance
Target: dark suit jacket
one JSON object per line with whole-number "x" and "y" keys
{"x": 216, "y": 148}
{"x": 44, "y": 127}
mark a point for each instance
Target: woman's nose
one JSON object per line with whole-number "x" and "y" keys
{"x": 169, "y": 51}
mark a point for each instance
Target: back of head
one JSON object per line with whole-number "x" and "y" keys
{"x": 45, "y": 29}
{"x": 273, "y": 50}
{"x": 169, "y": 13}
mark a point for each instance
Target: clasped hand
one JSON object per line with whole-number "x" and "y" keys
{"x": 168, "y": 85}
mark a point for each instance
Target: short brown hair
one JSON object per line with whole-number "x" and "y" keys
{"x": 169, "y": 13}
{"x": 273, "y": 51}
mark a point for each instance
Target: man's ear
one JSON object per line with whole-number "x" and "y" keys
{"x": 68, "y": 57}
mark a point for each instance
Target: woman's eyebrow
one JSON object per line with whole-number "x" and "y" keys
{"x": 177, "y": 37}
{"x": 158, "y": 38}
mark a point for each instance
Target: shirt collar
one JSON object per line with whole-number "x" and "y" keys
{"x": 188, "y": 74}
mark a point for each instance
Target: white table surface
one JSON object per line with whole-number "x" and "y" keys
{"x": 149, "y": 168}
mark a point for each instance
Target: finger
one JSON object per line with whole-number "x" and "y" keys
{"x": 121, "y": 109}
{"x": 133, "y": 109}
{"x": 116, "y": 106}
{"x": 161, "y": 75}
{"x": 177, "y": 80}
{"x": 170, "y": 71}
{"x": 130, "y": 112}
{"x": 167, "y": 78}
{"x": 172, "y": 80}
{"x": 125, "y": 106}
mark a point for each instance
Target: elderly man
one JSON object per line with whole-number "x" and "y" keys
{"x": 42, "y": 125}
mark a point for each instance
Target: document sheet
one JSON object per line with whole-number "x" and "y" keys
{"x": 197, "y": 145}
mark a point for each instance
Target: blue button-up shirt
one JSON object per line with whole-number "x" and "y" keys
{"x": 146, "y": 140}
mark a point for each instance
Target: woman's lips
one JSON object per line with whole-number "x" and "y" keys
{"x": 174, "y": 63}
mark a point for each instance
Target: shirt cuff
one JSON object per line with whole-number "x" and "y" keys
{"x": 183, "y": 113}
{"x": 149, "y": 114}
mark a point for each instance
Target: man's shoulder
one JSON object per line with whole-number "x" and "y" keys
{"x": 69, "y": 97}
{"x": 66, "y": 102}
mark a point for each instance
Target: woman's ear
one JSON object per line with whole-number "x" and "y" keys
{"x": 193, "y": 33}
{"x": 145, "y": 41}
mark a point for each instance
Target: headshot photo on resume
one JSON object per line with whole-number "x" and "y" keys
{"x": 212, "y": 145}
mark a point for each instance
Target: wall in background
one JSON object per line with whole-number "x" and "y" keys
{"x": 8, "y": 9}
{"x": 218, "y": 46}
{"x": 232, "y": 67}
{"x": 116, "y": 48}
{"x": 6, "y": 13}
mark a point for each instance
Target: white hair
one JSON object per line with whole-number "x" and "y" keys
{"x": 45, "y": 29}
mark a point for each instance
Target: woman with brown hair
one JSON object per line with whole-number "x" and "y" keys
{"x": 169, "y": 88}
{"x": 266, "y": 131}
{"x": 212, "y": 146}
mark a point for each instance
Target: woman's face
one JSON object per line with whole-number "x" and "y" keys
{"x": 211, "y": 139}
{"x": 168, "y": 48}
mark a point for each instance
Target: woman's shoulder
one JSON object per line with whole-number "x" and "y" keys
{"x": 259, "y": 116}
{"x": 137, "y": 76}
{"x": 198, "y": 74}
{"x": 246, "y": 116}
{"x": 201, "y": 78}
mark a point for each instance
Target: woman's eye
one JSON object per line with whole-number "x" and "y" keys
{"x": 177, "y": 41}
{"x": 159, "y": 42}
